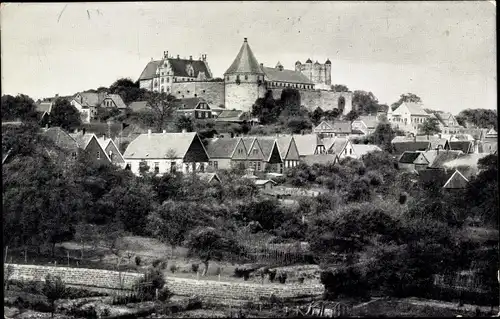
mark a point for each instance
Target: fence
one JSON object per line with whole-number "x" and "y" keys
{"x": 278, "y": 255}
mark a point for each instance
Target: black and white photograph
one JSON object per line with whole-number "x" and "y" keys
{"x": 249, "y": 159}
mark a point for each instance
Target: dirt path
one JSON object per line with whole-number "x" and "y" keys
{"x": 448, "y": 305}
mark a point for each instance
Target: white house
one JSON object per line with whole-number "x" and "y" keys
{"x": 408, "y": 117}
{"x": 166, "y": 152}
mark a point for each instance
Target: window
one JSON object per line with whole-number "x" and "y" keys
{"x": 350, "y": 151}
{"x": 240, "y": 151}
{"x": 186, "y": 167}
{"x": 193, "y": 165}
{"x": 98, "y": 155}
{"x": 168, "y": 80}
{"x": 255, "y": 151}
{"x": 196, "y": 114}
{"x": 111, "y": 155}
{"x": 188, "y": 91}
{"x": 162, "y": 80}
{"x": 127, "y": 167}
{"x": 157, "y": 167}
{"x": 202, "y": 115}
{"x": 258, "y": 166}
{"x": 227, "y": 78}
{"x": 203, "y": 91}
{"x": 216, "y": 165}
{"x": 246, "y": 77}
{"x": 202, "y": 167}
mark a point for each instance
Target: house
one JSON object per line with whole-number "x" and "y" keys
{"x": 139, "y": 106}
{"x": 210, "y": 178}
{"x": 110, "y": 148}
{"x": 424, "y": 159}
{"x": 167, "y": 152}
{"x": 340, "y": 146}
{"x": 264, "y": 183}
{"x": 62, "y": 140}
{"x": 359, "y": 150}
{"x": 194, "y": 107}
{"x": 408, "y": 117}
{"x": 448, "y": 123}
{"x": 43, "y": 110}
{"x": 287, "y": 148}
{"x": 309, "y": 144}
{"x": 224, "y": 153}
{"x": 400, "y": 144}
{"x": 272, "y": 157}
{"x": 444, "y": 156}
{"x": 466, "y": 147}
{"x": 88, "y": 142}
{"x": 406, "y": 161}
{"x": 336, "y": 128}
{"x": 321, "y": 159}
{"x": 366, "y": 124}
{"x": 113, "y": 101}
{"x": 86, "y": 103}
{"x": 235, "y": 116}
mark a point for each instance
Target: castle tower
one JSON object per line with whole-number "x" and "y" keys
{"x": 328, "y": 72}
{"x": 298, "y": 66}
{"x": 316, "y": 73}
{"x": 244, "y": 80}
{"x": 309, "y": 70}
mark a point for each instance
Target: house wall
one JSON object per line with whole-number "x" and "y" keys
{"x": 93, "y": 148}
{"x": 164, "y": 165}
{"x": 146, "y": 84}
{"x": 326, "y": 100}
{"x": 84, "y": 112}
{"x": 117, "y": 158}
{"x": 222, "y": 163}
{"x": 212, "y": 92}
{"x": 406, "y": 166}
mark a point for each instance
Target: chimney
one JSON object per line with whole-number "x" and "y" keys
{"x": 184, "y": 130}
{"x": 149, "y": 132}
{"x": 151, "y": 59}
{"x": 83, "y": 131}
{"x": 245, "y": 40}
{"x": 190, "y": 58}
{"x": 57, "y": 95}
{"x": 164, "y": 131}
{"x": 204, "y": 57}
{"x": 165, "y": 54}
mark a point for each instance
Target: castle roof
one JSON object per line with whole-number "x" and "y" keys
{"x": 179, "y": 68}
{"x": 309, "y": 61}
{"x": 284, "y": 75}
{"x": 328, "y": 61}
{"x": 245, "y": 61}
{"x": 149, "y": 71}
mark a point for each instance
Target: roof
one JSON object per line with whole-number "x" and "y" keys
{"x": 342, "y": 126}
{"x": 208, "y": 177}
{"x": 138, "y": 105}
{"x": 469, "y": 160}
{"x": 92, "y": 99}
{"x": 443, "y": 157}
{"x": 436, "y": 176}
{"x": 434, "y": 140}
{"x": 82, "y": 139}
{"x": 464, "y": 146}
{"x": 118, "y": 100}
{"x": 401, "y": 147}
{"x": 180, "y": 67}
{"x": 245, "y": 61}
{"x": 338, "y": 145}
{"x": 321, "y": 159}
{"x": 444, "y": 116}
{"x": 149, "y": 71}
{"x": 266, "y": 145}
{"x": 284, "y": 75}
{"x": 221, "y": 147}
{"x": 415, "y": 108}
{"x": 307, "y": 143}
{"x": 456, "y": 181}
{"x": 160, "y": 145}
{"x": 44, "y": 107}
{"x": 408, "y": 157}
{"x": 188, "y": 103}
{"x": 429, "y": 157}
{"x": 61, "y": 138}
{"x": 264, "y": 181}
{"x": 369, "y": 120}
{"x": 362, "y": 149}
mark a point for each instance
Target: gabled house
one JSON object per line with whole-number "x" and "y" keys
{"x": 336, "y": 128}
{"x": 466, "y": 147}
{"x": 406, "y": 161}
{"x": 265, "y": 184}
{"x": 443, "y": 157}
{"x": 309, "y": 144}
{"x": 366, "y": 124}
{"x": 114, "y": 154}
{"x": 408, "y": 117}
{"x": 288, "y": 151}
{"x": 435, "y": 142}
{"x": 210, "y": 178}
{"x": 221, "y": 152}
{"x": 448, "y": 123}
{"x": 167, "y": 152}
{"x": 235, "y": 116}
{"x": 88, "y": 143}
{"x": 43, "y": 110}
{"x": 113, "y": 101}
{"x": 424, "y": 159}
{"x": 272, "y": 157}
{"x": 342, "y": 147}
{"x": 62, "y": 140}
{"x": 362, "y": 149}
{"x": 256, "y": 157}
{"x": 194, "y": 107}
{"x": 401, "y": 144}
{"x": 456, "y": 181}
{"x": 86, "y": 103}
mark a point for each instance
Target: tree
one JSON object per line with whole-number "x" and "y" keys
{"x": 183, "y": 122}
{"x": 365, "y": 102}
{"x": 290, "y": 102}
{"x": 20, "y": 107}
{"x": 210, "y": 244}
{"x": 339, "y": 88}
{"x": 351, "y": 116}
{"x": 161, "y": 109}
{"x": 266, "y": 109}
{"x": 103, "y": 114}
{"x": 383, "y": 136}
{"x": 430, "y": 126}
{"x": 128, "y": 90}
{"x": 483, "y": 118}
{"x": 298, "y": 124}
{"x": 65, "y": 115}
{"x": 408, "y": 97}
{"x": 316, "y": 116}
{"x": 53, "y": 289}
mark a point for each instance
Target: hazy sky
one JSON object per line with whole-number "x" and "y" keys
{"x": 445, "y": 52}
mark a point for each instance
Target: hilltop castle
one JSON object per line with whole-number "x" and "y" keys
{"x": 244, "y": 81}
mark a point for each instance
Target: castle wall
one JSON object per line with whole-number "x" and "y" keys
{"x": 212, "y": 92}
{"x": 243, "y": 95}
{"x": 326, "y": 100}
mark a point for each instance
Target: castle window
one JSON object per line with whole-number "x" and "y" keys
{"x": 188, "y": 91}
{"x": 203, "y": 91}
{"x": 246, "y": 77}
{"x": 196, "y": 95}
{"x": 227, "y": 78}
{"x": 162, "y": 80}
{"x": 168, "y": 80}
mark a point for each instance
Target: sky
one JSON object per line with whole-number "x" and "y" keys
{"x": 445, "y": 52}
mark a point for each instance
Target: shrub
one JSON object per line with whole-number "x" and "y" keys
{"x": 146, "y": 287}
{"x": 137, "y": 260}
{"x": 272, "y": 275}
{"x": 242, "y": 273}
{"x": 31, "y": 301}
{"x": 195, "y": 267}
{"x": 301, "y": 278}
{"x": 160, "y": 263}
{"x": 123, "y": 300}
{"x": 173, "y": 268}
{"x": 282, "y": 277}
{"x": 164, "y": 294}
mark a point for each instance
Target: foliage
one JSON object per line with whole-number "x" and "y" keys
{"x": 430, "y": 126}
{"x": 160, "y": 110}
{"x": 20, "y": 107}
{"x": 298, "y": 124}
{"x": 408, "y": 97}
{"x": 53, "y": 289}
{"x": 105, "y": 113}
{"x": 266, "y": 109}
{"x": 183, "y": 122}
{"x": 365, "y": 102}
{"x": 339, "y": 88}
{"x": 351, "y": 116}
{"x": 483, "y": 118}
{"x": 146, "y": 287}
{"x": 383, "y": 136}
{"x": 127, "y": 89}
{"x": 65, "y": 115}
{"x": 316, "y": 116}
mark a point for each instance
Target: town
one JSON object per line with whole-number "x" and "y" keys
{"x": 263, "y": 191}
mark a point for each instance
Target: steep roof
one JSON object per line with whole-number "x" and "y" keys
{"x": 321, "y": 159}
{"x": 138, "y": 106}
{"x": 180, "y": 67}
{"x": 188, "y": 103}
{"x": 266, "y": 145}
{"x": 221, "y": 147}
{"x": 426, "y": 157}
{"x": 369, "y": 120}
{"x": 117, "y": 99}
{"x": 284, "y": 75}
{"x": 44, "y": 107}
{"x": 443, "y": 157}
{"x": 433, "y": 140}
{"x": 456, "y": 181}
{"x": 82, "y": 139}
{"x": 208, "y": 177}
{"x": 339, "y": 145}
{"x": 401, "y": 147}
{"x": 92, "y": 99}
{"x": 245, "y": 61}
{"x": 469, "y": 160}
{"x": 464, "y": 146}
{"x": 260, "y": 182}
{"x": 362, "y": 149}
{"x": 149, "y": 71}
{"x": 160, "y": 145}
{"x": 61, "y": 138}
{"x": 408, "y": 157}
{"x": 435, "y": 176}
{"x": 415, "y": 108}
{"x": 342, "y": 127}
{"x": 307, "y": 143}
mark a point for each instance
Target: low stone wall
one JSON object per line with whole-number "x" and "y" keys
{"x": 106, "y": 279}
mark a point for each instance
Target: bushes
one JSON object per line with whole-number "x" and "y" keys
{"x": 160, "y": 263}
{"x": 146, "y": 287}
{"x": 242, "y": 273}
{"x": 137, "y": 260}
{"x": 173, "y": 268}
{"x": 195, "y": 267}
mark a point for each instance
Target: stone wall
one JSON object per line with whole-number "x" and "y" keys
{"x": 106, "y": 279}
{"x": 326, "y": 100}
{"x": 212, "y": 92}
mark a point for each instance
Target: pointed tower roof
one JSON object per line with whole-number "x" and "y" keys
{"x": 309, "y": 61}
{"x": 245, "y": 61}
